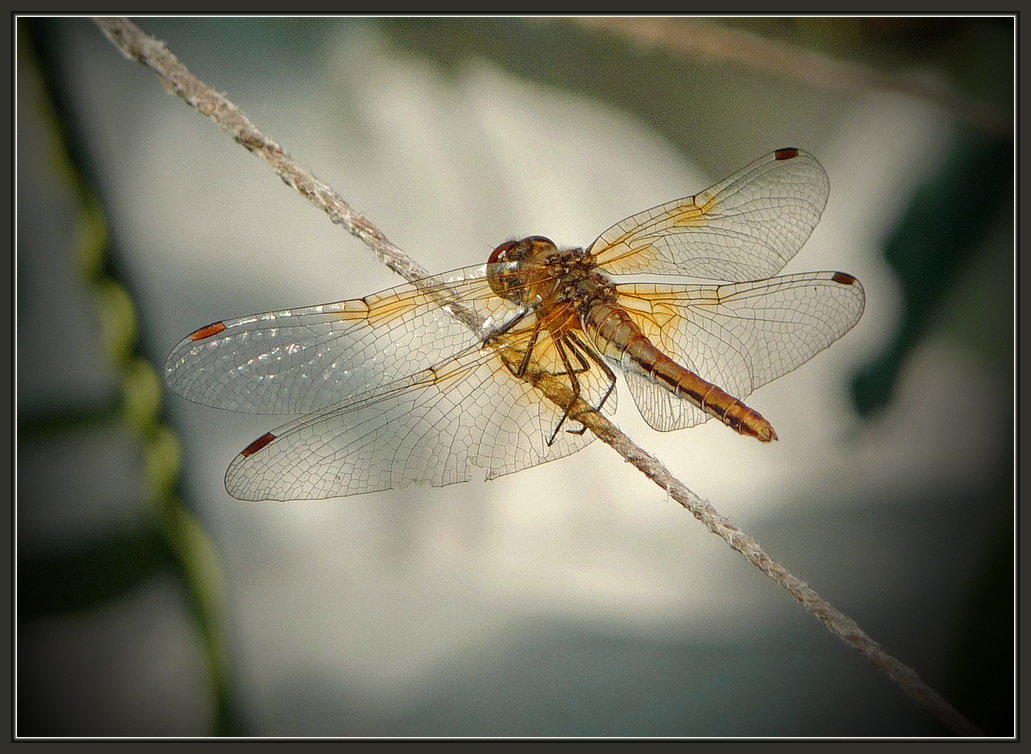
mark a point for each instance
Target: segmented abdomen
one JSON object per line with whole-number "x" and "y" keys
{"x": 617, "y": 336}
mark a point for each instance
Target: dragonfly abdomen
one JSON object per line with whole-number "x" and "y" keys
{"x": 618, "y": 337}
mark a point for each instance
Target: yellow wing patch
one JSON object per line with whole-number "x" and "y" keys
{"x": 691, "y": 215}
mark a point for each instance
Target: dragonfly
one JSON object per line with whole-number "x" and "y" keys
{"x": 440, "y": 380}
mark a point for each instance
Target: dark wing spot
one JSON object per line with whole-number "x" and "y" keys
{"x": 206, "y": 332}
{"x": 257, "y": 445}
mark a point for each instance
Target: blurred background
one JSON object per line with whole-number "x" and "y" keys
{"x": 573, "y": 599}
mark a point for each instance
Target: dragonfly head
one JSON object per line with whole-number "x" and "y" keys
{"x": 510, "y": 265}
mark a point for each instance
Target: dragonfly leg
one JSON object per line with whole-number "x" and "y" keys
{"x": 521, "y": 372}
{"x": 524, "y": 361}
{"x": 593, "y": 355}
{"x": 574, "y": 383}
{"x": 571, "y": 344}
{"x": 518, "y": 317}
{"x": 582, "y": 353}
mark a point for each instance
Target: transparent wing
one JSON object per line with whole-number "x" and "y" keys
{"x": 745, "y": 227}
{"x": 301, "y": 360}
{"x": 438, "y": 426}
{"x": 737, "y": 336}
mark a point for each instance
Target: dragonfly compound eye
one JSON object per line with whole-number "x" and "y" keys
{"x": 500, "y": 253}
